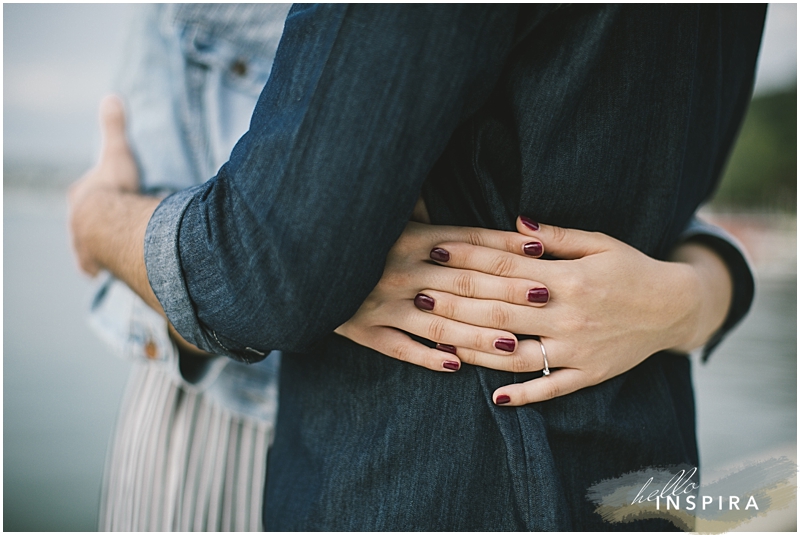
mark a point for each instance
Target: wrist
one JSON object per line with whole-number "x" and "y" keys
{"x": 709, "y": 290}
{"x": 685, "y": 332}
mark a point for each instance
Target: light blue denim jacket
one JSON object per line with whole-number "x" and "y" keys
{"x": 190, "y": 79}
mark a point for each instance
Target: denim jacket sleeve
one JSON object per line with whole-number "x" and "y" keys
{"x": 741, "y": 273}
{"x": 285, "y": 243}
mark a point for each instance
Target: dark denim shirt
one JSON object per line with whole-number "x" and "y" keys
{"x": 609, "y": 118}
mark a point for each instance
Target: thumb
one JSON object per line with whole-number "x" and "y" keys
{"x": 112, "y": 124}
{"x": 564, "y": 243}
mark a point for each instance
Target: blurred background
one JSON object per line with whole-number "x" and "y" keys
{"x": 62, "y": 387}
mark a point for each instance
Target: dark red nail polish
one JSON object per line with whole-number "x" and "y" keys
{"x": 528, "y": 222}
{"x": 533, "y": 248}
{"x": 439, "y": 254}
{"x": 505, "y": 344}
{"x": 451, "y": 365}
{"x": 447, "y": 348}
{"x": 538, "y": 295}
{"x": 424, "y": 302}
{"x": 502, "y": 399}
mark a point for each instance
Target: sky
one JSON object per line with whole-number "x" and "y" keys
{"x": 59, "y": 60}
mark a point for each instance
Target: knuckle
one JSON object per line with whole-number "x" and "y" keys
{"x": 499, "y": 316}
{"x": 512, "y": 244}
{"x": 467, "y": 356}
{"x": 465, "y": 284}
{"x": 400, "y": 352}
{"x": 436, "y": 329}
{"x": 550, "y": 389}
{"x": 519, "y": 364}
{"x": 483, "y": 342}
{"x": 574, "y": 284}
{"x": 512, "y": 293}
{"x": 394, "y": 279}
{"x": 447, "y": 308}
{"x": 474, "y": 237}
{"x": 559, "y": 234}
{"x": 502, "y": 266}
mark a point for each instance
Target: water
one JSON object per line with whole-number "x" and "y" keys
{"x": 62, "y": 387}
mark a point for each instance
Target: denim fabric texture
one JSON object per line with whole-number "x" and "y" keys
{"x": 610, "y": 118}
{"x": 191, "y": 77}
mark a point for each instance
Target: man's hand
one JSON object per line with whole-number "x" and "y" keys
{"x": 116, "y": 172}
{"x": 107, "y": 216}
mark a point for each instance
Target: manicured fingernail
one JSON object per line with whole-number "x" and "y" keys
{"x": 505, "y": 344}
{"x": 533, "y": 248}
{"x": 502, "y": 399}
{"x": 538, "y": 295}
{"x": 451, "y": 365}
{"x": 424, "y": 302}
{"x": 528, "y": 222}
{"x": 447, "y": 348}
{"x": 439, "y": 254}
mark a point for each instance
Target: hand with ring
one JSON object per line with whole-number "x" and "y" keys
{"x": 598, "y": 310}
{"x": 610, "y": 307}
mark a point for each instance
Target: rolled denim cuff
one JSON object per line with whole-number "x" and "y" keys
{"x": 163, "y": 263}
{"x": 732, "y": 253}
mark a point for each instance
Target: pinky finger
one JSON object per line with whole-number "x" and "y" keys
{"x": 400, "y": 346}
{"x": 558, "y": 383}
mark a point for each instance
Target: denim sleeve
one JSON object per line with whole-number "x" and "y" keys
{"x": 285, "y": 243}
{"x": 741, "y": 273}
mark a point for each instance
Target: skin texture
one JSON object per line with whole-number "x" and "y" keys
{"x": 610, "y": 306}
{"x": 108, "y": 218}
{"x": 600, "y": 309}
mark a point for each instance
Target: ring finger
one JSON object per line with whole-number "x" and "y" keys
{"x": 527, "y": 358}
{"x": 474, "y": 284}
{"x": 488, "y": 313}
{"x": 452, "y": 333}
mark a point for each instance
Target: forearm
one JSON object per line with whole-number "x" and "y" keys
{"x": 111, "y": 224}
{"x": 290, "y": 237}
{"x": 712, "y": 289}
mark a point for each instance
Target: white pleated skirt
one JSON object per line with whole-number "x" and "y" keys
{"x": 178, "y": 462}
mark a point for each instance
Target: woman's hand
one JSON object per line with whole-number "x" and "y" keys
{"x": 610, "y": 307}
{"x": 398, "y": 304}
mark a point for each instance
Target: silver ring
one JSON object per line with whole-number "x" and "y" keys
{"x": 546, "y": 369}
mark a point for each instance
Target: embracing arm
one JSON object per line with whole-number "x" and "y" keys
{"x": 360, "y": 104}
{"x": 108, "y": 217}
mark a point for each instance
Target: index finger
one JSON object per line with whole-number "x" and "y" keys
{"x": 500, "y": 263}
{"x": 508, "y": 241}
